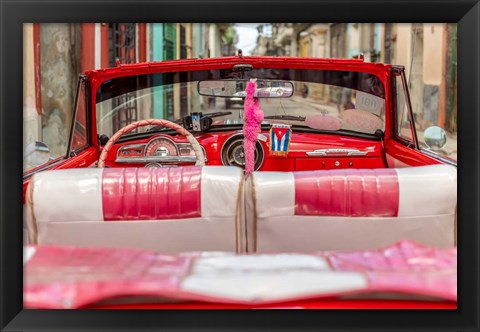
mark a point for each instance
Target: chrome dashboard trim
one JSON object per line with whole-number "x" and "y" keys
{"x": 336, "y": 152}
{"x": 150, "y": 142}
{"x": 132, "y": 146}
{"x": 235, "y": 137}
{"x": 157, "y": 159}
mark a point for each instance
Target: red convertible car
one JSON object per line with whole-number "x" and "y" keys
{"x": 315, "y": 192}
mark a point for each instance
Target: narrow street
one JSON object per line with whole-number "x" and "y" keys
{"x": 297, "y": 105}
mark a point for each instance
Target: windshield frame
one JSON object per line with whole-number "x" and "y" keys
{"x": 127, "y": 84}
{"x": 381, "y": 71}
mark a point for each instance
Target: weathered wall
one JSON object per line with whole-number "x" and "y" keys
{"x": 451, "y": 79}
{"x": 31, "y": 117}
{"x": 432, "y": 48}
{"x": 59, "y": 72}
{"x": 403, "y": 42}
{"x": 433, "y": 71}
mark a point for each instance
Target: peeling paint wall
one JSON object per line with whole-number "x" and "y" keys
{"x": 433, "y": 47}
{"x": 31, "y": 118}
{"x": 59, "y": 72}
{"x": 403, "y": 49}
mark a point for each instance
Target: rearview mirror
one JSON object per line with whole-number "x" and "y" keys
{"x": 236, "y": 88}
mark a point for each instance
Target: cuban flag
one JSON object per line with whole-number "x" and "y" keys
{"x": 280, "y": 139}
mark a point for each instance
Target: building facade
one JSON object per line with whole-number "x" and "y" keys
{"x": 427, "y": 51}
{"x": 55, "y": 54}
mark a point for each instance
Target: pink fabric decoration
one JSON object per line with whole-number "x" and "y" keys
{"x": 62, "y": 277}
{"x": 252, "y": 121}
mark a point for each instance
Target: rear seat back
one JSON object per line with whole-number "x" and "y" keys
{"x": 165, "y": 209}
{"x": 350, "y": 209}
{"x": 213, "y": 208}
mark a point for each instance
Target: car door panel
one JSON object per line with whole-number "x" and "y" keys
{"x": 399, "y": 155}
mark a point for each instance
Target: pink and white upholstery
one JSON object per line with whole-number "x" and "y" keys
{"x": 351, "y": 209}
{"x": 58, "y": 277}
{"x": 214, "y": 208}
{"x": 165, "y": 209}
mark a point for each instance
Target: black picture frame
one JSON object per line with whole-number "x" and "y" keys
{"x": 14, "y": 13}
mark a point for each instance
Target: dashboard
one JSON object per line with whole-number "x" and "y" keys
{"x": 158, "y": 150}
{"x": 307, "y": 151}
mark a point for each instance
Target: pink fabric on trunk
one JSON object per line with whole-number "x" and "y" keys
{"x": 407, "y": 267}
{"x": 68, "y": 277}
{"x": 151, "y": 193}
{"x": 347, "y": 192}
{"x": 405, "y": 256}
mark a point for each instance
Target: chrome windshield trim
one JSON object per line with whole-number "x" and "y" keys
{"x": 27, "y": 174}
{"x": 437, "y": 156}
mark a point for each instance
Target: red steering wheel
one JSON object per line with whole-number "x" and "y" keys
{"x": 153, "y": 122}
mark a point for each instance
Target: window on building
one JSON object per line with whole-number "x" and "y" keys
{"x": 169, "y": 38}
{"x": 183, "y": 43}
{"x": 122, "y": 43}
{"x": 169, "y": 53}
{"x": 123, "y": 48}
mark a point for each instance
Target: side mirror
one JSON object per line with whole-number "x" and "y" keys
{"x": 35, "y": 154}
{"x": 435, "y": 138}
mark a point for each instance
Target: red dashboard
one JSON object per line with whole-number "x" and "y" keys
{"x": 307, "y": 151}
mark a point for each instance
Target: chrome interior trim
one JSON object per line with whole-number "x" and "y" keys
{"x": 132, "y": 146}
{"x": 150, "y": 142}
{"x": 239, "y": 136}
{"x": 157, "y": 159}
{"x": 337, "y": 152}
{"x": 29, "y": 173}
{"x": 153, "y": 165}
{"x": 435, "y": 155}
{"x": 189, "y": 146}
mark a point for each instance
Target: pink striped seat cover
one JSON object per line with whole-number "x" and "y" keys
{"x": 214, "y": 208}
{"x": 347, "y": 192}
{"x": 352, "y": 208}
{"x": 158, "y": 208}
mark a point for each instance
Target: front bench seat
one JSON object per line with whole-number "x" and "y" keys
{"x": 165, "y": 209}
{"x": 350, "y": 209}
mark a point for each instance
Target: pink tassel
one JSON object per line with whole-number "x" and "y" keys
{"x": 252, "y": 121}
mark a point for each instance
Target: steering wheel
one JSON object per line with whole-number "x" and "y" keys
{"x": 155, "y": 122}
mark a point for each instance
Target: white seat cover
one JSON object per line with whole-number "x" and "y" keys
{"x": 166, "y": 209}
{"x": 212, "y": 208}
{"x": 351, "y": 209}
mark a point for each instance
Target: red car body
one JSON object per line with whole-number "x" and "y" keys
{"x": 391, "y": 146}
{"x": 388, "y": 152}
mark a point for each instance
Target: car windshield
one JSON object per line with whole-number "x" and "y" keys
{"x": 326, "y": 100}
